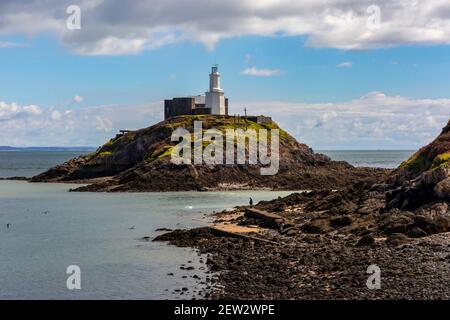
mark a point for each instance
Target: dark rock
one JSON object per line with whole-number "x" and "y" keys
{"x": 163, "y": 229}
{"x": 311, "y": 228}
{"x": 442, "y": 189}
{"x": 341, "y": 221}
{"x": 367, "y": 240}
{"x": 291, "y": 232}
{"x": 396, "y": 228}
{"x": 396, "y": 239}
{"x": 416, "y": 232}
{"x": 422, "y": 221}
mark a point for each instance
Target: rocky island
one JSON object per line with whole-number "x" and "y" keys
{"x": 140, "y": 161}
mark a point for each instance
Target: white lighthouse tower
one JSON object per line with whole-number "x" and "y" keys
{"x": 215, "y": 98}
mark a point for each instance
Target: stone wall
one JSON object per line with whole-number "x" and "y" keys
{"x": 178, "y": 107}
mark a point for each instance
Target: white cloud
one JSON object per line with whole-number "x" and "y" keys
{"x": 261, "y": 72}
{"x": 110, "y": 28}
{"x": 78, "y": 99}
{"x": 345, "y": 64}
{"x": 373, "y": 121}
{"x": 9, "y": 111}
{"x": 88, "y": 126}
{"x": 7, "y": 44}
{"x": 103, "y": 124}
{"x": 56, "y": 115}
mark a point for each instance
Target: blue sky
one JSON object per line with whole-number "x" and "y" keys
{"x": 328, "y": 89}
{"x": 44, "y": 73}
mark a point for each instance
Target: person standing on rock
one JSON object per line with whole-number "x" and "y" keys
{"x": 251, "y": 202}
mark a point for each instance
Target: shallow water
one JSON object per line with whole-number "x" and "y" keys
{"x": 52, "y": 229}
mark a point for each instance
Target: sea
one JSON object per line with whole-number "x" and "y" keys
{"x": 47, "y": 231}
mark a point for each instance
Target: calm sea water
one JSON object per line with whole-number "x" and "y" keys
{"x": 31, "y": 163}
{"x": 370, "y": 158}
{"x": 52, "y": 228}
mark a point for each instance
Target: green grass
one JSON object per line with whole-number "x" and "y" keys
{"x": 160, "y": 153}
{"x": 415, "y": 164}
{"x": 441, "y": 160}
{"x": 105, "y": 154}
{"x": 418, "y": 162}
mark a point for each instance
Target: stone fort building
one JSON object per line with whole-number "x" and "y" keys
{"x": 213, "y": 102}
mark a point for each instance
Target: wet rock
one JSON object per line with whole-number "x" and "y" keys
{"x": 163, "y": 229}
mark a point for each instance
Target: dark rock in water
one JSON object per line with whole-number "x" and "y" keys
{"x": 184, "y": 237}
{"x": 416, "y": 232}
{"x": 367, "y": 240}
{"x": 163, "y": 229}
{"x": 16, "y": 178}
{"x": 397, "y": 239}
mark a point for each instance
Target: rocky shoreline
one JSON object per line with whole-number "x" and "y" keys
{"x": 320, "y": 244}
{"x": 321, "y": 255}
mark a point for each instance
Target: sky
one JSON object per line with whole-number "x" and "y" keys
{"x": 336, "y": 74}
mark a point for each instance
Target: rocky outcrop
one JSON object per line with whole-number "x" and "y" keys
{"x": 140, "y": 161}
{"x": 423, "y": 178}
